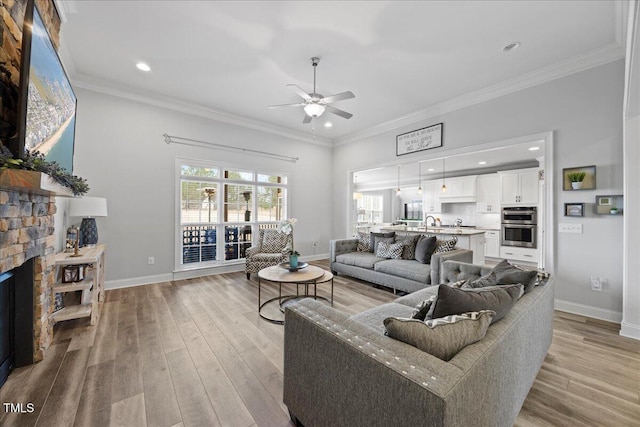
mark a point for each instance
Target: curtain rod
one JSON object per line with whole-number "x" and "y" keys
{"x": 212, "y": 145}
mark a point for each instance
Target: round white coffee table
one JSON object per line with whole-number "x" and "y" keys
{"x": 309, "y": 276}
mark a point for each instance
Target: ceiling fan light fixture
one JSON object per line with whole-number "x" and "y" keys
{"x": 314, "y": 110}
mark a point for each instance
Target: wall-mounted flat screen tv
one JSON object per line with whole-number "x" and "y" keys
{"x": 48, "y": 103}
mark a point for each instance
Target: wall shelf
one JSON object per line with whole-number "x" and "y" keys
{"x": 605, "y": 203}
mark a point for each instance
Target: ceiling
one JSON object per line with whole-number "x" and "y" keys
{"x": 233, "y": 59}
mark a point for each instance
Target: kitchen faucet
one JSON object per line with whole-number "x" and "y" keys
{"x": 458, "y": 222}
{"x": 426, "y": 223}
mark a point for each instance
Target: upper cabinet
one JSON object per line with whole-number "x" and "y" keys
{"x": 460, "y": 189}
{"x": 432, "y": 191}
{"x": 520, "y": 187}
{"x": 488, "y": 193}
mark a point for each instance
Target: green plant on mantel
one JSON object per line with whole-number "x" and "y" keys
{"x": 576, "y": 176}
{"x": 36, "y": 162}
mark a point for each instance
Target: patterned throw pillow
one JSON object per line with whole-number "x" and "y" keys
{"x": 421, "y": 310}
{"x": 444, "y": 337}
{"x": 459, "y": 284}
{"x": 389, "y": 250}
{"x": 409, "y": 249}
{"x": 445, "y": 245}
{"x": 364, "y": 242}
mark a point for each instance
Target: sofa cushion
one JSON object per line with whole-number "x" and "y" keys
{"x": 359, "y": 259}
{"x": 507, "y": 274}
{"x": 389, "y": 250}
{"x": 443, "y": 337}
{"x": 364, "y": 242}
{"x": 376, "y": 236}
{"x": 446, "y": 245}
{"x": 374, "y": 317}
{"x": 409, "y": 242}
{"x": 425, "y": 248}
{"x": 407, "y": 269}
{"x": 455, "y": 301}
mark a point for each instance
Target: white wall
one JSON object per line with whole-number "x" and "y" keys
{"x": 584, "y": 110}
{"x": 120, "y": 150}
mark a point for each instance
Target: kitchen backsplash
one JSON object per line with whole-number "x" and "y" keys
{"x": 467, "y": 213}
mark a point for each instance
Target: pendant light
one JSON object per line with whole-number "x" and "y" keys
{"x": 419, "y": 178}
{"x": 444, "y": 187}
{"x": 398, "y": 191}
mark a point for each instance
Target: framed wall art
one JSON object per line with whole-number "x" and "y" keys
{"x": 574, "y": 209}
{"x": 418, "y": 140}
{"x": 580, "y": 178}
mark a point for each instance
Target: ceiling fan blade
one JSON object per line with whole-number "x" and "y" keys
{"x": 307, "y": 119}
{"x": 300, "y": 104}
{"x": 338, "y": 112}
{"x": 338, "y": 97}
{"x": 300, "y": 92}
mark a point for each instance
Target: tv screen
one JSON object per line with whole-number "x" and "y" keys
{"x": 51, "y": 103}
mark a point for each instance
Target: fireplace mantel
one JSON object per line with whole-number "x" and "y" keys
{"x": 31, "y": 182}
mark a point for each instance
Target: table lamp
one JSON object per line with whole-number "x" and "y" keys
{"x": 88, "y": 208}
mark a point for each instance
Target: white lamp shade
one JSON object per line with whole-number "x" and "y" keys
{"x": 88, "y": 207}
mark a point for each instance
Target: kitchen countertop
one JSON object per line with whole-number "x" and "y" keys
{"x": 442, "y": 230}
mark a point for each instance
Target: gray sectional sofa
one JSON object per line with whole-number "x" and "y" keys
{"x": 401, "y": 274}
{"x": 341, "y": 370}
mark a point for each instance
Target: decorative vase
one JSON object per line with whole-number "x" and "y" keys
{"x": 293, "y": 261}
{"x": 614, "y": 211}
{"x": 577, "y": 185}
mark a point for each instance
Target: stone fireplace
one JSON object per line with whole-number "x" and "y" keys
{"x": 27, "y": 233}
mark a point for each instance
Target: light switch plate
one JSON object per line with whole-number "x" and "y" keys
{"x": 570, "y": 228}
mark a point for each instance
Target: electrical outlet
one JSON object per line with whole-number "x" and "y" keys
{"x": 596, "y": 284}
{"x": 152, "y": 260}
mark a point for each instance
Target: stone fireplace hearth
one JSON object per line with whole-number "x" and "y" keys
{"x": 27, "y": 233}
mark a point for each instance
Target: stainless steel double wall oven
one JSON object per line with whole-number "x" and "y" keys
{"x": 519, "y": 226}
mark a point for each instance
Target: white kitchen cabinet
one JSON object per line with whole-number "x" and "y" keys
{"x": 488, "y": 193}
{"x": 492, "y": 243}
{"x": 474, "y": 242}
{"x": 432, "y": 191}
{"x": 514, "y": 253}
{"x": 460, "y": 189}
{"x": 519, "y": 187}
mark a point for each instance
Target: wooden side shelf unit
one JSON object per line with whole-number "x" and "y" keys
{"x": 91, "y": 287}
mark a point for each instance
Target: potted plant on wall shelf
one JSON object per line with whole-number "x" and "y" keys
{"x": 576, "y": 179}
{"x": 614, "y": 211}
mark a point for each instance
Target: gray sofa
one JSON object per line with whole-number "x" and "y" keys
{"x": 401, "y": 274}
{"x": 341, "y": 370}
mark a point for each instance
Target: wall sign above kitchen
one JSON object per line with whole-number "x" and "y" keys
{"x": 418, "y": 140}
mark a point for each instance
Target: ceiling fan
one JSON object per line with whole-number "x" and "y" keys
{"x": 315, "y": 104}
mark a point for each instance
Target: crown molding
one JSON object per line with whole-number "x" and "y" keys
{"x": 169, "y": 103}
{"x": 609, "y": 53}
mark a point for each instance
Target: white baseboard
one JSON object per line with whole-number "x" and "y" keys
{"x": 589, "y": 311}
{"x": 630, "y": 331}
{"x": 189, "y": 274}
{"x": 137, "y": 281}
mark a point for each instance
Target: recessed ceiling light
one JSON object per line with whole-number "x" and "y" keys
{"x": 482, "y": 163}
{"x": 430, "y": 170}
{"x": 328, "y": 124}
{"x": 511, "y": 46}
{"x": 534, "y": 148}
{"x": 142, "y": 66}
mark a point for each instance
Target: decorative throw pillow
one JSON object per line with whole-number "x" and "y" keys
{"x": 389, "y": 250}
{"x": 376, "y": 236}
{"x": 455, "y": 301}
{"x": 421, "y": 310}
{"x": 424, "y": 249}
{"x": 444, "y": 337}
{"x": 409, "y": 249}
{"x": 364, "y": 242}
{"x": 459, "y": 284}
{"x": 507, "y": 274}
{"x": 383, "y": 240}
{"x": 446, "y": 245}
{"x": 481, "y": 282}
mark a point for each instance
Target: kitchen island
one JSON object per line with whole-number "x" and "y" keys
{"x": 468, "y": 238}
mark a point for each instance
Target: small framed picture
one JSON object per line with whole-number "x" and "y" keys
{"x": 604, "y": 201}
{"x": 574, "y": 209}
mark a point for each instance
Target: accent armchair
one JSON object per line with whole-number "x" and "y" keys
{"x": 272, "y": 248}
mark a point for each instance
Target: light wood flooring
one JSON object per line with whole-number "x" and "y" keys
{"x": 195, "y": 353}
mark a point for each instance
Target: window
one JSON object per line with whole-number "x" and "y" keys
{"x": 220, "y": 208}
{"x": 370, "y": 208}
